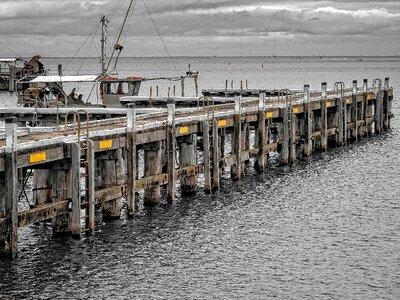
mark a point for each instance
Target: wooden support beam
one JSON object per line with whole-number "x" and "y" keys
{"x": 9, "y": 198}
{"x": 293, "y": 135}
{"x": 259, "y": 163}
{"x": 367, "y": 128}
{"x": 340, "y": 120}
{"x": 188, "y": 157}
{"x": 215, "y": 156}
{"x": 61, "y": 191}
{"x": 324, "y": 117}
{"x": 42, "y": 181}
{"x": 206, "y": 156}
{"x": 285, "y": 136}
{"x": 171, "y": 151}
{"x": 354, "y": 111}
{"x": 308, "y": 122}
{"x": 152, "y": 166}
{"x": 387, "y": 105}
{"x": 131, "y": 173}
{"x": 236, "y": 172}
{"x": 90, "y": 186}
{"x": 43, "y": 212}
{"x": 75, "y": 226}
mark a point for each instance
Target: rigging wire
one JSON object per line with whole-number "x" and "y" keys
{"x": 76, "y": 53}
{"x": 123, "y": 36}
{"x": 161, "y": 39}
{"x": 120, "y": 31}
{"x": 9, "y": 49}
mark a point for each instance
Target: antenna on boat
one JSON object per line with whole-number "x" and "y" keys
{"x": 104, "y": 23}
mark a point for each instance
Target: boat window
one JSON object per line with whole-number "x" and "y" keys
{"x": 117, "y": 88}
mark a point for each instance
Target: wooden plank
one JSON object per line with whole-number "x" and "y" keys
{"x": 42, "y": 212}
{"x": 40, "y": 157}
{"x": 109, "y": 194}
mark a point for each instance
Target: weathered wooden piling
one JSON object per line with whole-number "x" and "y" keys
{"x": 260, "y": 136}
{"x": 9, "y": 204}
{"x": 324, "y": 117}
{"x": 236, "y": 168}
{"x": 75, "y": 172}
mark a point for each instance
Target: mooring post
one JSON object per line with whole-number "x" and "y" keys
{"x": 183, "y": 86}
{"x": 324, "y": 117}
{"x": 340, "y": 113}
{"x": 354, "y": 111}
{"x": 75, "y": 226}
{"x": 367, "y": 127}
{"x": 131, "y": 160}
{"x": 206, "y": 156}
{"x": 377, "y": 84}
{"x": 387, "y": 105}
{"x": 308, "y": 123}
{"x": 171, "y": 150}
{"x": 188, "y": 157}
{"x": 285, "y": 136}
{"x": 293, "y": 134}
{"x": 259, "y": 163}
{"x": 237, "y": 141}
{"x": 215, "y": 156}
{"x": 9, "y": 198}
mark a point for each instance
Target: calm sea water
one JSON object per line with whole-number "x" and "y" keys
{"x": 326, "y": 228}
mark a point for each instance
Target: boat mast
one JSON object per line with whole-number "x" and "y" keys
{"x": 120, "y": 33}
{"x": 103, "y": 45}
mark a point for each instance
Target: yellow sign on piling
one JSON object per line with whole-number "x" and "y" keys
{"x": 183, "y": 129}
{"x": 295, "y": 110}
{"x": 370, "y": 97}
{"x": 37, "y": 157}
{"x": 269, "y": 115}
{"x": 221, "y": 123}
{"x": 328, "y": 103}
{"x": 106, "y": 144}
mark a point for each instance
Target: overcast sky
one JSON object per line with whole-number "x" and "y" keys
{"x": 210, "y": 27}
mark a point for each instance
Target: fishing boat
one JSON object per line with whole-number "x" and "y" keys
{"x": 49, "y": 91}
{"x": 14, "y": 69}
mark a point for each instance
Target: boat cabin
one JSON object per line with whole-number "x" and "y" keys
{"x": 51, "y": 91}
{"x": 112, "y": 88}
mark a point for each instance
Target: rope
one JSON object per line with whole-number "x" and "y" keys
{"x": 159, "y": 35}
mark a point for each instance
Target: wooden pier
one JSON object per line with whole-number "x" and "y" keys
{"x": 100, "y": 163}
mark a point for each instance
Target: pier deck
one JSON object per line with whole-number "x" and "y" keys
{"x": 73, "y": 169}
